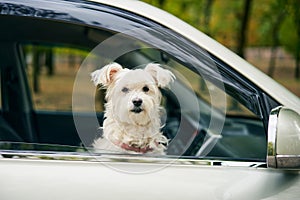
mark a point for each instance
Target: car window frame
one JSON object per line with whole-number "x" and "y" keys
{"x": 261, "y": 98}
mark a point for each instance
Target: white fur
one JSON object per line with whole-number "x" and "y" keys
{"x": 126, "y": 124}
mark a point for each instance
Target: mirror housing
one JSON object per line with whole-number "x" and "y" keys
{"x": 284, "y": 139}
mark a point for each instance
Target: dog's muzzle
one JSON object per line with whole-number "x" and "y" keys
{"x": 137, "y": 103}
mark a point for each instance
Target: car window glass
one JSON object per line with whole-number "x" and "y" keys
{"x": 51, "y": 71}
{"x": 202, "y": 88}
{"x": 191, "y": 111}
{"x": 242, "y": 134}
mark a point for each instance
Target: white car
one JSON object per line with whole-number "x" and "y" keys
{"x": 234, "y": 133}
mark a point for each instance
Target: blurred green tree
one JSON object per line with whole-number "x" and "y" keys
{"x": 242, "y": 33}
{"x": 294, "y": 8}
{"x": 272, "y": 23}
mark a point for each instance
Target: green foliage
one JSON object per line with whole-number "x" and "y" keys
{"x": 288, "y": 35}
{"x": 266, "y": 17}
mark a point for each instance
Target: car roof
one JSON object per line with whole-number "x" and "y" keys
{"x": 274, "y": 89}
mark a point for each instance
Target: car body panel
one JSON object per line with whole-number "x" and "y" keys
{"x": 119, "y": 180}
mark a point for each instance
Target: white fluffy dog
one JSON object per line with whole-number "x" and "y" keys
{"x": 132, "y": 113}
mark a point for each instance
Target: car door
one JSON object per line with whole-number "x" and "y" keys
{"x": 215, "y": 118}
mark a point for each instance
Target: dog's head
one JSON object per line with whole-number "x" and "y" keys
{"x": 133, "y": 96}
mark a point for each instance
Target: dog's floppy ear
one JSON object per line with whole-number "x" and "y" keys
{"x": 162, "y": 76}
{"x": 105, "y": 75}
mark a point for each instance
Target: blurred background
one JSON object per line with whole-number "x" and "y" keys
{"x": 264, "y": 32}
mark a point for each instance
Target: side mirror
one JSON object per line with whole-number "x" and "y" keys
{"x": 284, "y": 139}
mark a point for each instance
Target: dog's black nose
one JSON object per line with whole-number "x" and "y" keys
{"x": 137, "y": 102}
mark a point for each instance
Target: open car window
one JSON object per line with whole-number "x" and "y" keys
{"x": 209, "y": 111}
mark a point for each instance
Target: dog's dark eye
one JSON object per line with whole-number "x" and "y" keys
{"x": 125, "y": 89}
{"x": 145, "y": 89}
